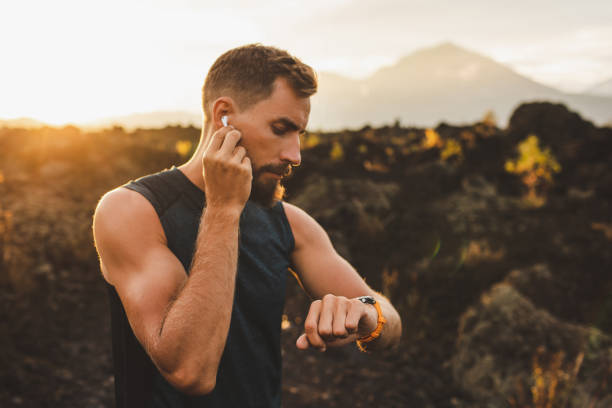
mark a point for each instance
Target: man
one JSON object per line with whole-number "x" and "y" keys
{"x": 196, "y": 257}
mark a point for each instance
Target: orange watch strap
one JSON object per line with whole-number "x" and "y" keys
{"x": 376, "y": 333}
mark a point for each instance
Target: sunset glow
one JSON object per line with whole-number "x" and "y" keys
{"x": 77, "y": 62}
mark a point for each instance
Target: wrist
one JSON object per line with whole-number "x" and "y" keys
{"x": 380, "y": 321}
{"x": 369, "y": 323}
{"x": 227, "y": 212}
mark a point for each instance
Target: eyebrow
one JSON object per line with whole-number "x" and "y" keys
{"x": 289, "y": 123}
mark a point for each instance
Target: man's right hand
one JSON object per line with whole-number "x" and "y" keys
{"x": 227, "y": 170}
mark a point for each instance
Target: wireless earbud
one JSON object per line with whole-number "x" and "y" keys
{"x": 224, "y": 120}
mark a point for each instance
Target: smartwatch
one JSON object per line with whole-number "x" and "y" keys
{"x": 369, "y": 300}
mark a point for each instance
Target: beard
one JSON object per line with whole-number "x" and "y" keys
{"x": 268, "y": 192}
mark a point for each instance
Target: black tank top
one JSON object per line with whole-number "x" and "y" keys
{"x": 249, "y": 373}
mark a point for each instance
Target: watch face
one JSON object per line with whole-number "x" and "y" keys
{"x": 367, "y": 299}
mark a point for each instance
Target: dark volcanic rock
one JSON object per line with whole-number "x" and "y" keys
{"x": 554, "y": 122}
{"x": 537, "y": 284}
{"x": 431, "y": 231}
{"x": 349, "y": 209}
{"x": 506, "y": 346}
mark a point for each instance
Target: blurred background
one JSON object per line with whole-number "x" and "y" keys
{"x": 458, "y": 154}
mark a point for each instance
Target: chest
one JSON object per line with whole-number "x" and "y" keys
{"x": 263, "y": 246}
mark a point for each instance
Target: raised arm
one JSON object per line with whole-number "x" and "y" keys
{"x": 335, "y": 317}
{"x": 182, "y": 322}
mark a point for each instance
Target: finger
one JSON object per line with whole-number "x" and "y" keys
{"x": 302, "y": 342}
{"x": 328, "y": 307}
{"x": 338, "y": 325}
{"x": 246, "y": 162}
{"x": 311, "y": 325}
{"x": 229, "y": 143}
{"x": 355, "y": 311}
{"x": 239, "y": 154}
{"x": 217, "y": 139}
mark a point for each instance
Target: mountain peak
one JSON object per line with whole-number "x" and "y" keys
{"x": 445, "y": 60}
{"x": 445, "y": 46}
{"x": 445, "y": 50}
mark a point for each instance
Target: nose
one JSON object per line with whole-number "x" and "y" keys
{"x": 291, "y": 150}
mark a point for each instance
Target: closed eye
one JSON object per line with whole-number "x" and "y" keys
{"x": 279, "y": 131}
{"x": 282, "y": 126}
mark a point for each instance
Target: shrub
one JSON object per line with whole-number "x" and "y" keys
{"x": 536, "y": 167}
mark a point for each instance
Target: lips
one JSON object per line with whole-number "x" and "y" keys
{"x": 276, "y": 175}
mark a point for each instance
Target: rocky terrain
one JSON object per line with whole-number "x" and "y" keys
{"x": 493, "y": 246}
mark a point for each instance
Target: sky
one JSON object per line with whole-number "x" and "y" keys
{"x": 74, "y": 61}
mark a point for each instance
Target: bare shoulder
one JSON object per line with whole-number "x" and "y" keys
{"x": 126, "y": 211}
{"x": 295, "y": 214}
{"x": 125, "y": 223}
{"x": 304, "y": 227}
{"x": 122, "y": 200}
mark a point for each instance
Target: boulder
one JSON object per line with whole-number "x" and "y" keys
{"x": 510, "y": 353}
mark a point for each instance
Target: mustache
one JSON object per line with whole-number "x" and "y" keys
{"x": 283, "y": 170}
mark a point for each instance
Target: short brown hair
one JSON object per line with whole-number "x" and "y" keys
{"x": 247, "y": 74}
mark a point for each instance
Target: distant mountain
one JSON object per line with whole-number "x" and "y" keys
{"x": 158, "y": 119}
{"x": 442, "y": 83}
{"x": 602, "y": 89}
{"x": 21, "y": 123}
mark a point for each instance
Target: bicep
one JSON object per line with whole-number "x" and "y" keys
{"x": 145, "y": 273}
{"x": 319, "y": 266}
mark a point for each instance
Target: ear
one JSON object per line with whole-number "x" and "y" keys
{"x": 222, "y": 106}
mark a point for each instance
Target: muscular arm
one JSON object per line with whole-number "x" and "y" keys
{"x": 333, "y": 284}
{"x": 163, "y": 306}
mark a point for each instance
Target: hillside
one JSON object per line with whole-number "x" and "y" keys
{"x": 502, "y": 279}
{"x": 26, "y": 123}
{"x": 602, "y": 89}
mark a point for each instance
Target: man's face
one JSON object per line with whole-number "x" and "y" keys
{"x": 271, "y": 136}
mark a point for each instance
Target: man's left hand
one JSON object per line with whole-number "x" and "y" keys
{"x": 335, "y": 321}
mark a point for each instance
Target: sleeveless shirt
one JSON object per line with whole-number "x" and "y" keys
{"x": 249, "y": 373}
